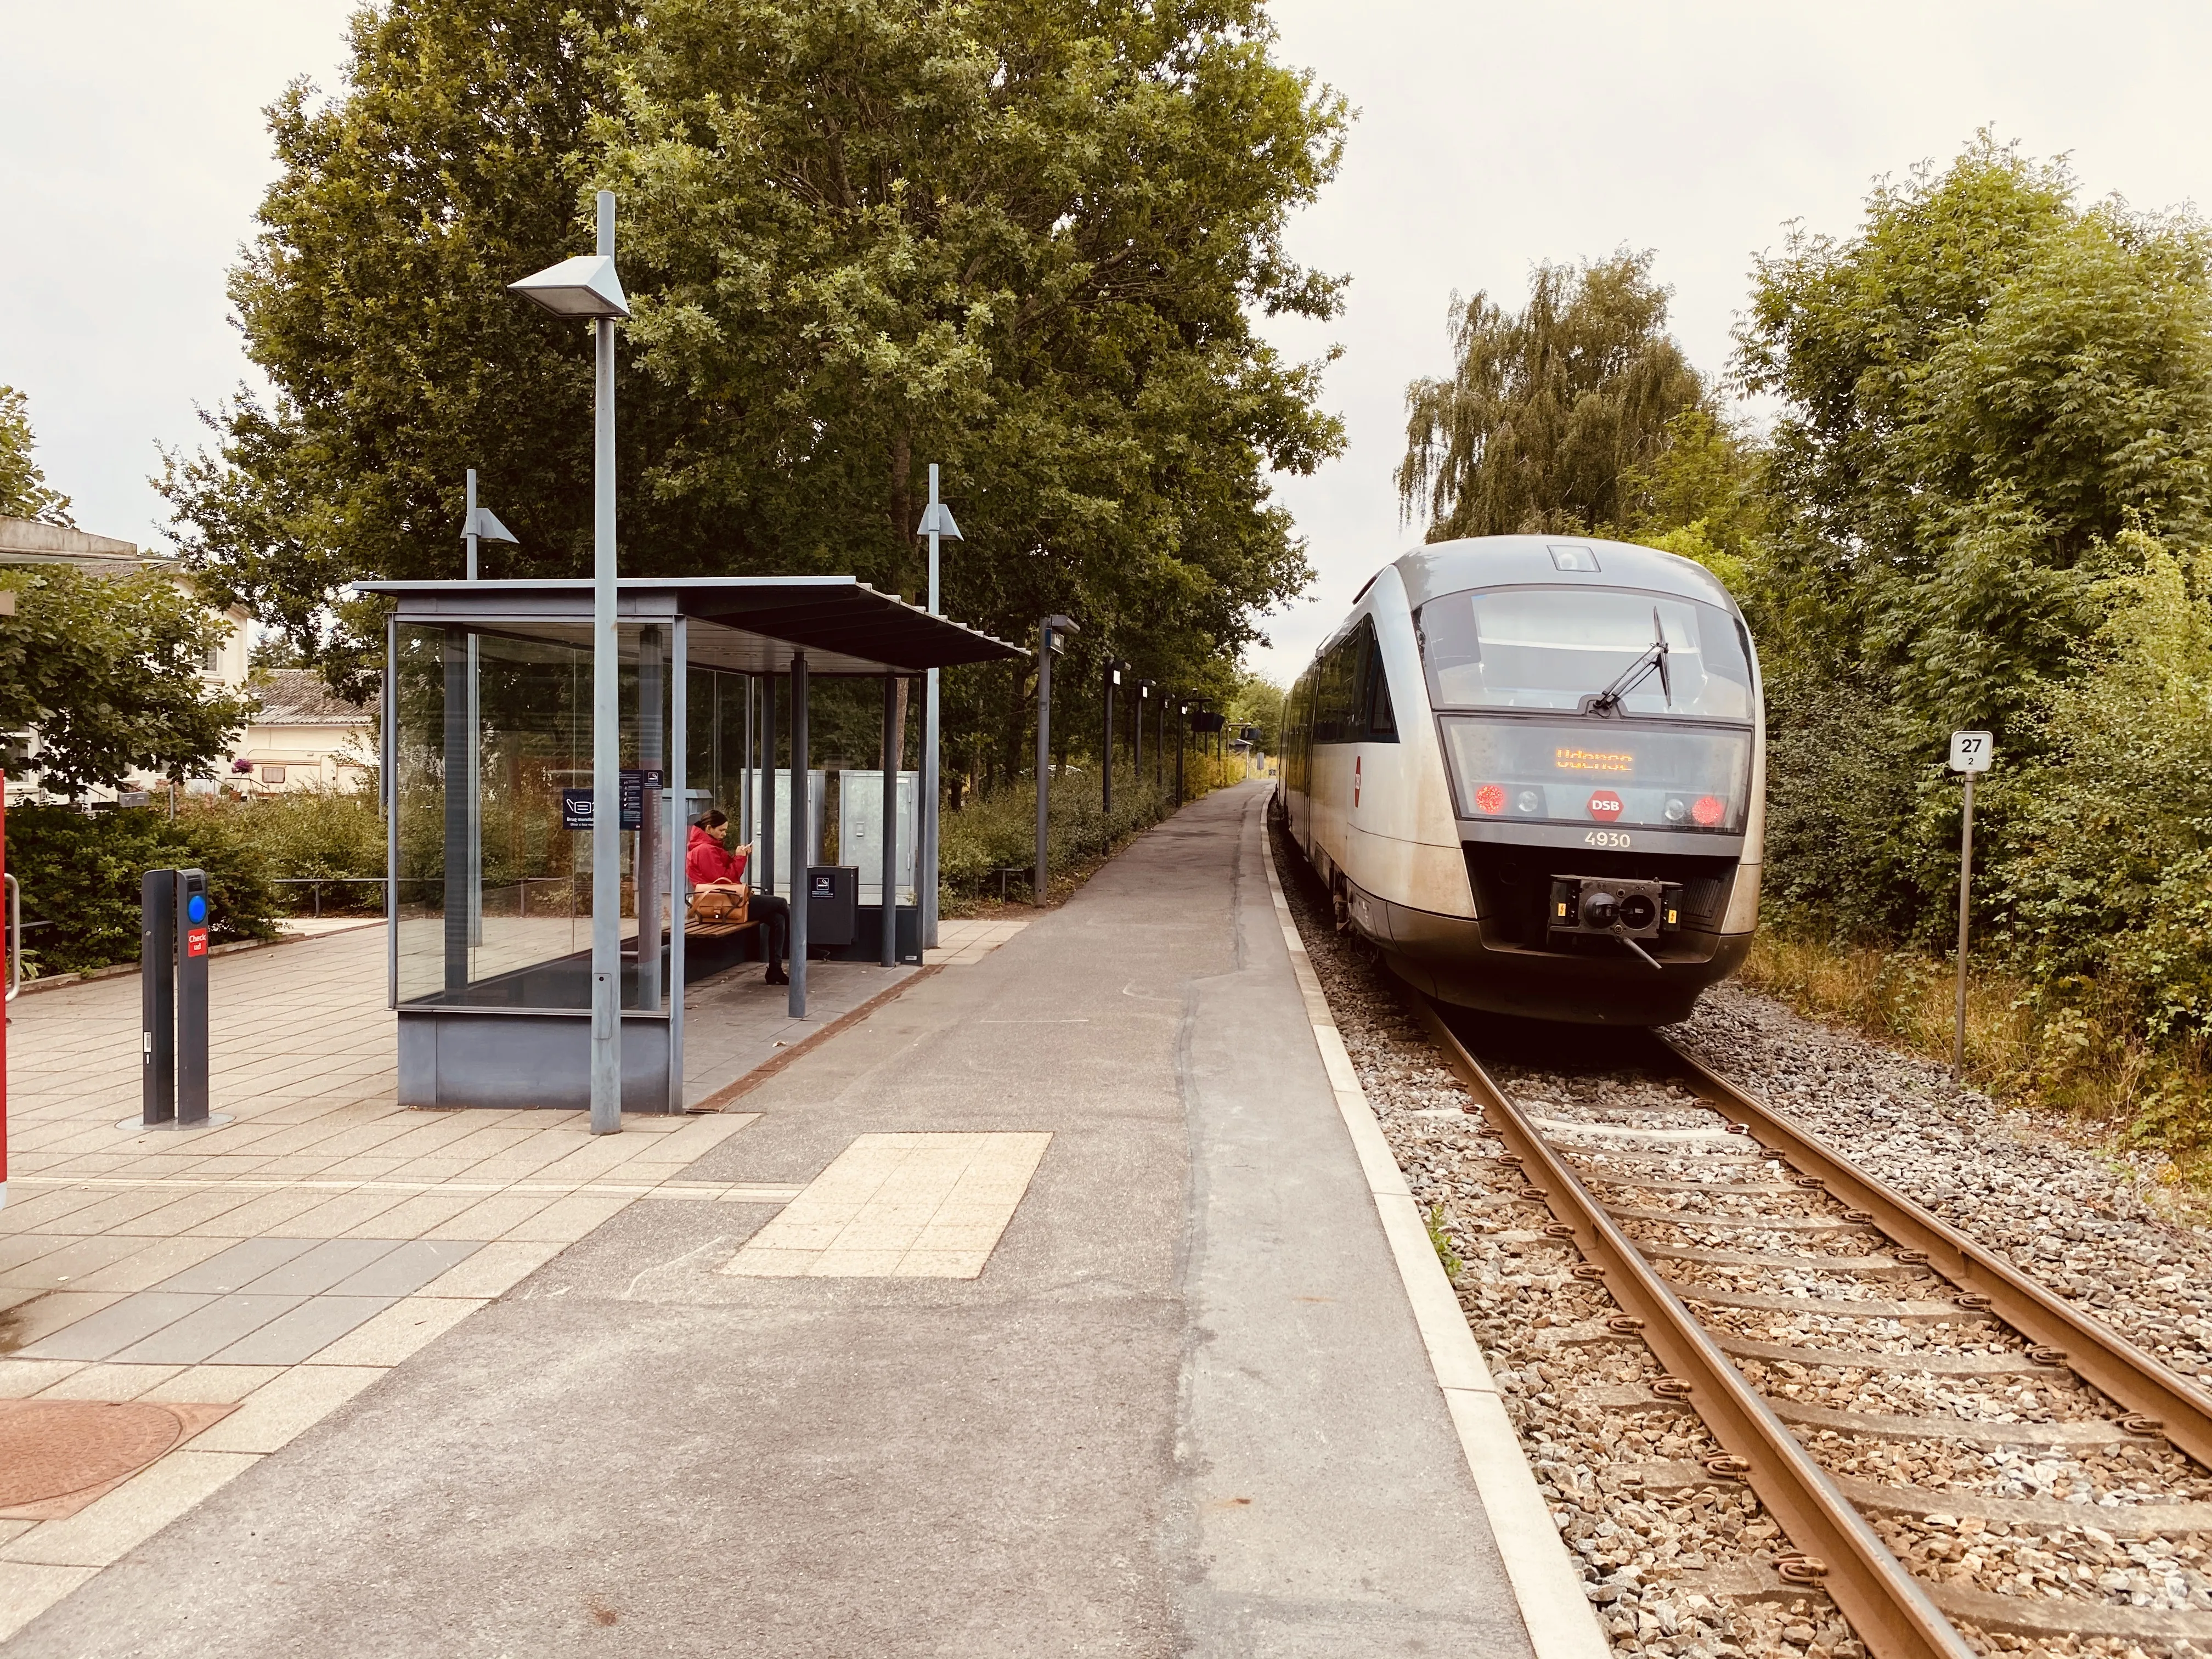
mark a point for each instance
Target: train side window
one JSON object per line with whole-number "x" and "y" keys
{"x": 1379, "y": 721}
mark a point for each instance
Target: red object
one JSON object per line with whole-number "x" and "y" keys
{"x": 1709, "y": 809}
{"x": 1355, "y": 779}
{"x": 1605, "y": 806}
{"x": 707, "y": 861}
{"x": 195, "y": 941}
{"x": 15, "y": 945}
{"x": 1490, "y": 799}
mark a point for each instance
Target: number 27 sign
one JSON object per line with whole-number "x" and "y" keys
{"x": 1971, "y": 752}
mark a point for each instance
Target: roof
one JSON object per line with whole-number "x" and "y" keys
{"x": 743, "y": 624}
{"x": 32, "y": 540}
{"x": 301, "y": 696}
{"x": 1506, "y": 561}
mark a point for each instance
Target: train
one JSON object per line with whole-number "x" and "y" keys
{"x": 1531, "y": 771}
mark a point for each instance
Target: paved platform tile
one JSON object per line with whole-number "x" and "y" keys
{"x": 899, "y": 1207}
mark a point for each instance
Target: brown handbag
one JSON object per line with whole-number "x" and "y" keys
{"x": 725, "y": 904}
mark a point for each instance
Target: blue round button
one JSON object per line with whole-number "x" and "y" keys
{"x": 196, "y": 908}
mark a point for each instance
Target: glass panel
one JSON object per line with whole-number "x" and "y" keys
{"x": 1599, "y": 772}
{"x": 493, "y": 765}
{"x": 1552, "y": 647}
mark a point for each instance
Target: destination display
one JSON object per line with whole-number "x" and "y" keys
{"x": 1564, "y": 772}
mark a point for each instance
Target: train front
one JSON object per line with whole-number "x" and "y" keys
{"x": 1597, "y": 705}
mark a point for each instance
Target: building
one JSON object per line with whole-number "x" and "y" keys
{"x": 303, "y": 737}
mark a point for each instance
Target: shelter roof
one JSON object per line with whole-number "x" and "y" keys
{"x": 746, "y": 624}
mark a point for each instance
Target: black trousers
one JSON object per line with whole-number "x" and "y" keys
{"x": 774, "y": 915}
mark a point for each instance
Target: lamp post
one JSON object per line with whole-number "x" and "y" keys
{"x": 1183, "y": 724}
{"x": 586, "y": 288}
{"x": 1049, "y": 633}
{"x": 1114, "y": 672}
{"x": 1137, "y": 759}
{"x": 477, "y": 524}
{"x": 936, "y": 523}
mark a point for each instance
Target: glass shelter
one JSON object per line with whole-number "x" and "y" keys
{"x": 487, "y": 757}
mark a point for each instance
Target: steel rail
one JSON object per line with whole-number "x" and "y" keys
{"x": 1888, "y": 1609}
{"x": 2159, "y": 1400}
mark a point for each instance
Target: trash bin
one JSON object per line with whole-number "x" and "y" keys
{"x": 833, "y": 901}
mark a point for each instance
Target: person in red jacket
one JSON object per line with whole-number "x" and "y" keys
{"x": 709, "y": 864}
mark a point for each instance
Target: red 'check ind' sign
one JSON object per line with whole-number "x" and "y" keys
{"x": 1605, "y": 806}
{"x": 195, "y": 941}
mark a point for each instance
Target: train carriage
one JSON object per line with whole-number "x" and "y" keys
{"x": 1532, "y": 771}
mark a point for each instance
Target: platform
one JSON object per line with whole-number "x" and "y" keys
{"x": 1044, "y": 1310}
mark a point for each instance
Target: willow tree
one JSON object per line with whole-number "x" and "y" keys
{"x": 1546, "y": 409}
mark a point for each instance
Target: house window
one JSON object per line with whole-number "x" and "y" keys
{"x": 212, "y": 661}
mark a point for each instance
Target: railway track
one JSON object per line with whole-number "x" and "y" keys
{"x": 1795, "y": 1302}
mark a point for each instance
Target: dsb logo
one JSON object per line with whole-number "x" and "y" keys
{"x": 1605, "y": 806}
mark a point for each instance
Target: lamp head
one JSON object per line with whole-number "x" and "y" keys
{"x": 585, "y": 288}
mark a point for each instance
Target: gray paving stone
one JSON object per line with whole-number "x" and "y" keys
{"x": 408, "y": 1268}
{"x": 319, "y": 1269}
{"x": 307, "y": 1330}
{"x": 235, "y": 1268}
{"x": 116, "y": 1326}
{"x": 193, "y": 1337}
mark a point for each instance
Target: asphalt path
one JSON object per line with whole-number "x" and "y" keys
{"x": 1185, "y": 1409}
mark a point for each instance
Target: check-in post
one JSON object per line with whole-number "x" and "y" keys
{"x": 1971, "y": 754}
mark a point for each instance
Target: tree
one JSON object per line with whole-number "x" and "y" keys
{"x": 24, "y": 493}
{"x": 1021, "y": 239}
{"x": 1982, "y": 388}
{"x": 105, "y": 670}
{"x": 1546, "y": 412}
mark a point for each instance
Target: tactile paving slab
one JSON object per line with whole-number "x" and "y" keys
{"x": 57, "y": 1455}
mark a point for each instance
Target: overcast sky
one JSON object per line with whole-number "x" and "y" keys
{"x": 1490, "y": 137}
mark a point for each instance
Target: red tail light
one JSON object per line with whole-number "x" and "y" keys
{"x": 1490, "y": 799}
{"x": 1709, "y": 809}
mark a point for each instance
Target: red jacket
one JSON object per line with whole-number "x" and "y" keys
{"x": 707, "y": 861}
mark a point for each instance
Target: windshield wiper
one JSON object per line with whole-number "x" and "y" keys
{"x": 1653, "y": 656}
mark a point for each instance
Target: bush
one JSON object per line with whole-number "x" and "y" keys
{"x": 81, "y": 873}
{"x": 999, "y": 831}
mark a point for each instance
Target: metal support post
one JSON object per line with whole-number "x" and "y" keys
{"x": 652, "y": 757}
{"x": 766, "y": 813}
{"x": 474, "y": 763}
{"x": 606, "y": 727}
{"x": 1043, "y": 758}
{"x": 192, "y": 936}
{"x": 801, "y": 844}
{"x": 1183, "y": 721}
{"x": 678, "y": 823}
{"x": 925, "y": 864}
{"x": 157, "y": 998}
{"x": 1106, "y": 748}
{"x": 1137, "y": 735}
{"x": 889, "y": 953}
{"x": 1966, "y": 882}
{"x": 459, "y": 931}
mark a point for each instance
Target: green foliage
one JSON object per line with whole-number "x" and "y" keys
{"x": 1702, "y": 496}
{"x": 1023, "y": 240}
{"x": 1546, "y": 411}
{"x": 81, "y": 873}
{"x": 24, "y": 492}
{"x": 998, "y": 831}
{"x": 1982, "y": 387}
{"x": 106, "y": 670}
{"x": 315, "y": 832}
{"x": 2106, "y": 873}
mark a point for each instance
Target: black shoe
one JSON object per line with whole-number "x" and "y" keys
{"x": 776, "y": 976}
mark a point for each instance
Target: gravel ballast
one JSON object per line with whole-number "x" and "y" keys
{"x": 1680, "y": 1564}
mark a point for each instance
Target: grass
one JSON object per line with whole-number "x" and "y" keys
{"x": 2082, "y": 1060}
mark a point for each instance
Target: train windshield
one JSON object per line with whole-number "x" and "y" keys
{"x": 1554, "y": 648}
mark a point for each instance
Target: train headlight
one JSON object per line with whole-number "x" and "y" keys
{"x": 1530, "y": 803}
{"x": 1677, "y": 809}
